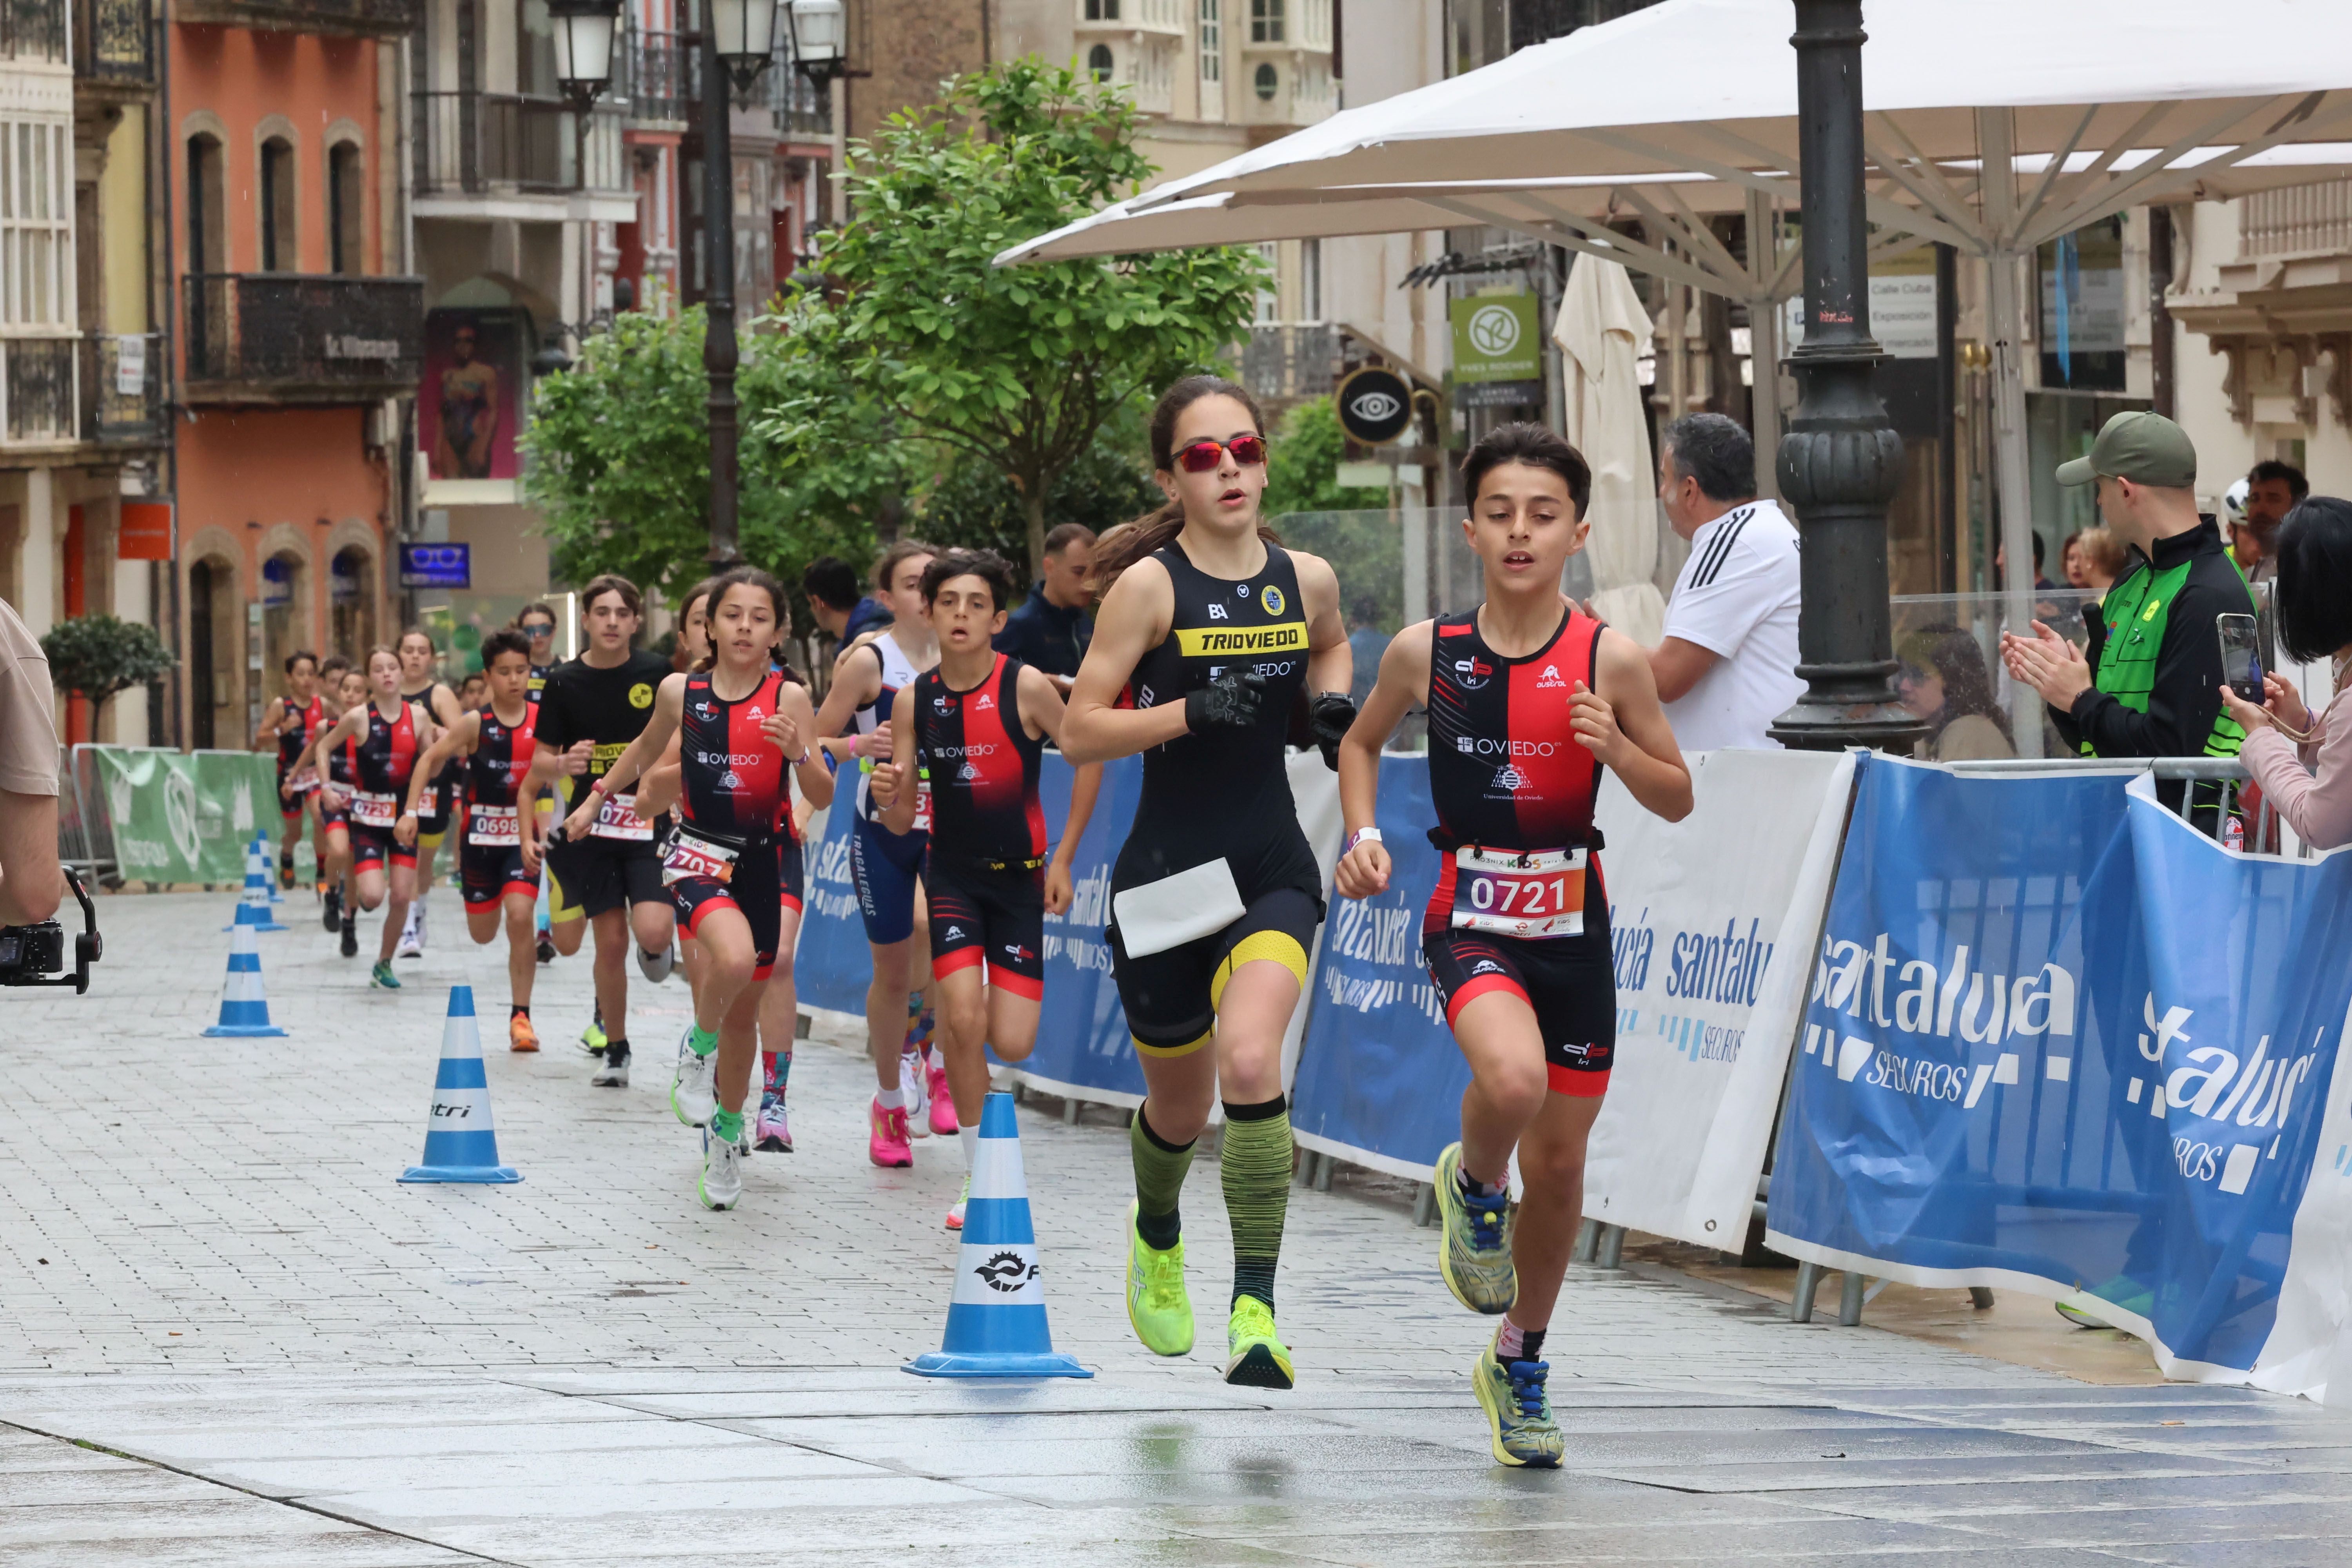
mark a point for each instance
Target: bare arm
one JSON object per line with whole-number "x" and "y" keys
{"x": 1676, "y": 667}
{"x": 458, "y": 741}
{"x": 1623, "y": 724}
{"x": 31, "y": 884}
{"x": 1403, "y": 681}
{"x": 1330, "y": 662}
{"x": 663, "y": 784}
{"x": 315, "y": 755}
{"x": 1135, "y": 618}
{"x": 669, "y": 703}
{"x": 893, "y": 785}
{"x": 857, "y": 681}
{"x": 273, "y": 721}
{"x": 816, "y": 780}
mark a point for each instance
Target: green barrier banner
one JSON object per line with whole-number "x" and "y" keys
{"x": 185, "y": 817}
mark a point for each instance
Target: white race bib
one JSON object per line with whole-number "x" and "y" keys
{"x": 617, "y": 818}
{"x": 493, "y": 827}
{"x": 370, "y": 809}
{"x": 692, "y": 855}
{"x": 1176, "y": 910}
{"x": 1531, "y": 893}
{"x": 303, "y": 781}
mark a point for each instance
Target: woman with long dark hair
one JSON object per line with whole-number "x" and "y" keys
{"x": 1943, "y": 681}
{"x": 1218, "y": 633}
{"x": 2283, "y": 741}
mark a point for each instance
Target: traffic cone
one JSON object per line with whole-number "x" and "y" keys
{"x": 268, "y": 875}
{"x": 996, "y": 1319}
{"x": 253, "y": 904}
{"x": 244, "y": 1010}
{"x": 460, "y": 1143}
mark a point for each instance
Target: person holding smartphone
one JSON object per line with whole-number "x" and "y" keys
{"x": 2284, "y": 741}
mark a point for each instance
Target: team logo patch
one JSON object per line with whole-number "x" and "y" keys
{"x": 1510, "y": 778}
{"x": 943, "y": 705}
{"x": 1549, "y": 677}
{"x": 1271, "y": 597}
{"x": 1471, "y": 673}
{"x": 641, "y": 695}
{"x": 1486, "y": 966}
{"x": 984, "y": 703}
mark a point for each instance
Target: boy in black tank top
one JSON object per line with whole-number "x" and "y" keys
{"x": 1220, "y": 633}
{"x": 1528, "y": 699}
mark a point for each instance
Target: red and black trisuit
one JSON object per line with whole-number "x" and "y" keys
{"x": 734, "y": 847}
{"x": 298, "y": 729}
{"x": 489, "y": 857}
{"x": 984, "y": 871}
{"x": 1514, "y": 911}
{"x": 379, "y": 765}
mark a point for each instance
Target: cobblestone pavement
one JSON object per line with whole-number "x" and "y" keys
{"x": 228, "y": 1336}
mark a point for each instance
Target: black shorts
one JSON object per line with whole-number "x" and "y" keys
{"x": 1171, "y": 997}
{"x": 758, "y": 891}
{"x": 375, "y": 846}
{"x": 1567, "y": 981}
{"x": 488, "y": 872}
{"x": 341, "y": 815}
{"x": 599, "y": 876}
{"x": 999, "y": 916}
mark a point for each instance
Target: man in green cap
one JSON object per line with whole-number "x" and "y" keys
{"x": 2150, "y": 686}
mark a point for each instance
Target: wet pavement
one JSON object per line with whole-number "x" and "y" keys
{"x": 226, "y": 1336}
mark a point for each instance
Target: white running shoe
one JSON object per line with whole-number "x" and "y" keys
{"x": 690, "y": 1093}
{"x": 656, "y": 966}
{"x": 915, "y": 1084}
{"x": 721, "y": 1186}
{"x": 614, "y": 1073}
{"x": 955, "y": 1214}
{"x": 411, "y": 934}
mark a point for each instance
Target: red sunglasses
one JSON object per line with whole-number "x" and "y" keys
{"x": 1203, "y": 456}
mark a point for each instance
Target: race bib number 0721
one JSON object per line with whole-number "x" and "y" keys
{"x": 1531, "y": 893}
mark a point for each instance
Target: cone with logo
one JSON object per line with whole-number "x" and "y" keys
{"x": 996, "y": 1319}
{"x": 460, "y": 1142}
{"x": 244, "y": 1010}
{"x": 253, "y": 903}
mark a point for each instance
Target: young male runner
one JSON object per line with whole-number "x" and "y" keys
{"x": 419, "y": 685}
{"x": 973, "y": 732}
{"x": 294, "y": 721}
{"x": 589, "y": 711}
{"x": 883, "y": 864}
{"x": 1527, "y": 701}
{"x": 496, "y": 863}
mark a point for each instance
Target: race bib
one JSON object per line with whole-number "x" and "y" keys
{"x": 304, "y": 781}
{"x": 370, "y": 809}
{"x": 922, "y": 804}
{"x": 1530, "y": 893}
{"x": 692, "y": 855}
{"x": 617, "y": 818}
{"x": 493, "y": 827}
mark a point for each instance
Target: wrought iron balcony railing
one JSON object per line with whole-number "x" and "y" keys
{"x": 282, "y": 337}
{"x": 800, "y": 108}
{"x": 36, "y": 391}
{"x": 114, "y": 41}
{"x": 362, "y": 18}
{"x": 32, "y": 30}
{"x": 663, "y": 77}
{"x": 477, "y": 143}
{"x": 122, "y": 389}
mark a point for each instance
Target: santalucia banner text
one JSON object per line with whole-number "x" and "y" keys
{"x": 2059, "y": 1041}
{"x": 185, "y": 817}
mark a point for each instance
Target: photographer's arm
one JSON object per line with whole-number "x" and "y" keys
{"x": 31, "y": 885}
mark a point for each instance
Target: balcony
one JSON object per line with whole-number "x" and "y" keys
{"x": 356, "y": 19}
{"x": 36, "y": 391}
{"x": 487, "y": 144}
{"x": 32, "y": 30}
{"x": 114, "y": 42}
{"x": 804, "y": 112}
{"x": 1165, "y": 17}
{"x": 283, "y": 337}
{"x": 2296, "y": 220}
{"x": 123, "y": 390}
{"x": 661, "y": 77}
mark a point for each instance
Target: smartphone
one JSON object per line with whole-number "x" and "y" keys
{"x": 2241, "y": 656}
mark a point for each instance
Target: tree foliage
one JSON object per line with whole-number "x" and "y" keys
{"x": 976, "y": 506}
{"x": 97, "y": 656}
{"x": 1010, "y": 369}
{"x": 1303, "y": 462}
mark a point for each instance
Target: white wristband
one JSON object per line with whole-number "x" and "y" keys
{"x": 1361, "y": 836}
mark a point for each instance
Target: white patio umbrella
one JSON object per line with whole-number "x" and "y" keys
{"x": 2083, "y": 106}
{"x": 1601, "y": 330}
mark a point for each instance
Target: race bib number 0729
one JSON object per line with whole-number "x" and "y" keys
{"x": 617, "y": 818}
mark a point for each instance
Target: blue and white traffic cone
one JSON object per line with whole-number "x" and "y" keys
{"x": 460, "y": 1143}
{"x": 996, "y": 1319}
{"x": 244, "y": 1010}
{"x": 269, "y": 879}
{"x": 253, "y": 903}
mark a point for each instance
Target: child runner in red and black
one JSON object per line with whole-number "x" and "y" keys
{"x": 342, "y": 688}
{"x": 975, "y": 726}
{"x": 1527, "y": 701}
{"x": 742, "y": 725}
{"x": 497, "y": 863}
{"x": 293, "y": 722}
{"x": 380, "y": 741}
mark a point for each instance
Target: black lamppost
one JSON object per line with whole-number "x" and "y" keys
{"x": 586, "y": 32}
{"x": 738, "y": 37}
{"x": 1841, "y": 461}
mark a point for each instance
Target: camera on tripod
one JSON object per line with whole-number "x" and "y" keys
{"x": 35, "y": 955}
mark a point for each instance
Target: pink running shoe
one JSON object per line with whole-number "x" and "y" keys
{"x": 885, "y": 1142}
{"x": 943, "y": 1111}
{"x": 773, "y": 1135}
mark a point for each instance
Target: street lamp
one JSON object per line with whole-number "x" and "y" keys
{"x": 585, "y": 32}
{"x": 737, "y": 41}
{"x": 820, "y": 45}
{"x": 1841, "y": 461}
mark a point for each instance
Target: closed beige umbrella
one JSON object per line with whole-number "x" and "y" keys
{"x": 1601, "y": 330}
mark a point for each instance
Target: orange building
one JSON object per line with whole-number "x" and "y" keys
{"x": 300, "y": 340}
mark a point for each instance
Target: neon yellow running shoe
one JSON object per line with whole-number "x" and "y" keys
{"x": 1519, "y": 1428}
{"x": 1157, "y": 1304}
{"x": 1258, "y": 1359}
{"x": 1474, "y": 1247}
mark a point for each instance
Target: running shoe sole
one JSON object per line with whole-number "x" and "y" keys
{"x": 1257, "y": 1367}
{"x": 771, "y": 1144}
{"x": 1481, "y": 1386}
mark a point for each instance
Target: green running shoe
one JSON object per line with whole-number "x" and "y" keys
{"x": 1474, "y": 1247}
{"x": 1157, "y": 1304}
{"x": 1258, "y": 1359}
{"x": 593, "y": 1039}
{"x": 1519, "y": 1426}
{"x": 382, "y": 974}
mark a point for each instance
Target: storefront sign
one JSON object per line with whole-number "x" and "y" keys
{"x": 1495, "y": 338}
{"x": 436, "y": 566}
{"x": 145, "y": 531}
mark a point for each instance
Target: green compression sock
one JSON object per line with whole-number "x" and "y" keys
{"x": 702, "y": 1042}
{"x": 1160, "y": 1170}
{"x": 1256, "y": 1167}
{"x": 727, "y": 1126}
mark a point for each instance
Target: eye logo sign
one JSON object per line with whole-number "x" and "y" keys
{"x": 1495, "y": 330}
{"x": 1006, "y": 1272}
{"x": 1374, "y": 404}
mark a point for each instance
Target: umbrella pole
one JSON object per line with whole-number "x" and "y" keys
{"x": 1764, "y": 341}
{"x": 2005, "y": 323}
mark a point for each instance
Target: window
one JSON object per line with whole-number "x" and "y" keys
{"x": 346, "y": 200}
{"x": 275, "y": 199}
{"x": 1212, "y": 41}
{"x": 1269, "y": 294}
{"x": 1310, "y": 279}
{"x": 1266, "y": 26}
{"x": 535, "y": 49}
{"x": 1102, "y": 11}
{"x": 36, "y": 222}
{"x": 1265, "y": 81}
{"x": 1098, "y": 62}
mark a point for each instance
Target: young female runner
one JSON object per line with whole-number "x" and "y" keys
{"x": 380, "y": 743}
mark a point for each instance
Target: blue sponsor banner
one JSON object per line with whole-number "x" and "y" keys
{"x": 1378, "y": 1074}
{"x": 832, "y": 964}
{"x": 2059, "y": 1043}
{"x": 1082, "y": 1039}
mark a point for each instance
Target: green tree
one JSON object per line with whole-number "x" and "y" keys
{"x": 1303, "y": 463}
{"x": 974, "y": 505}
{"x": 97, "y": 656}
{"x": 1014, "y": 369}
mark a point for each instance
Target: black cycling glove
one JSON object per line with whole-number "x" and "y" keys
{"x": 1229, "y": 703}
{"x": 1328, "y": 718}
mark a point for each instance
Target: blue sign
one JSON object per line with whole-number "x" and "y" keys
{"x": 436, "y": 566}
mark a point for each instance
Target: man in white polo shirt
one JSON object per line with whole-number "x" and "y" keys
{"x": 1727, "y": 666}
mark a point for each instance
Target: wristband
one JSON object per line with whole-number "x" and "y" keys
{"x": 1361, "y": 836}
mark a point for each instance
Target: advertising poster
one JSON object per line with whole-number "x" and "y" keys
{"x": 470, "y": 406}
